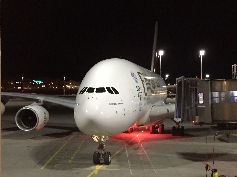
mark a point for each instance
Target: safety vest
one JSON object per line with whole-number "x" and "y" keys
{"x": 215, "y": 174}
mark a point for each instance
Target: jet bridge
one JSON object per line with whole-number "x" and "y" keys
{"x": 206, "y": 101}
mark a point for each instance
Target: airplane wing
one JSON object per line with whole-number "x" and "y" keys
{"x": 51, "y": 99}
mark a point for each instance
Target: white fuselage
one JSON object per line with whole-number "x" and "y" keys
{"x": 115, "y": 94}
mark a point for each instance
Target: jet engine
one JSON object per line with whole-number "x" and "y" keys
{"x": 32, "y": 117}
{"x": 2, "y": 108}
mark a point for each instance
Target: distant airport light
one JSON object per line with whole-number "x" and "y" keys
{"x": 166, "y": 76}
{"x": 207, "y": 76}
{"x": 161, "y": 52}
{"x": 202, "y": 52}
{"x": 38, "y": 81}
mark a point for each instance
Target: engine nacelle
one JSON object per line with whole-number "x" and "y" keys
{"x": 32, "y": 117}
{"x": 2, "y": 108}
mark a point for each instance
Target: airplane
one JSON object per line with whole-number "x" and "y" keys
{"x": 114, "y": 96}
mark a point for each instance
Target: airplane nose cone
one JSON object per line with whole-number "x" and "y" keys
{"x": 90, "y": 117}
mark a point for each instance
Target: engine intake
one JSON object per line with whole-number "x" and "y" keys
{"x": 2, "y": 108}
{"x": 32, "y": 117}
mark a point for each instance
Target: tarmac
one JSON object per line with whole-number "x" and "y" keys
{"x": 60, "y": 149}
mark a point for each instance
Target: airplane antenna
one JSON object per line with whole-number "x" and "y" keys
{"x": 153, "y": 61}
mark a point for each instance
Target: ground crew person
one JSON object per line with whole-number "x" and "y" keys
{"x": 214, "y": 173}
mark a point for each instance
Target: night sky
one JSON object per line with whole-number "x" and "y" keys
{"x": 53, "y": 38}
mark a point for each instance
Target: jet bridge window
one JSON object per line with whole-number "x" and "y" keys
{"x": 83, "y": 90}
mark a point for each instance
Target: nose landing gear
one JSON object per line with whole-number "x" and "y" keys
{"x": 101, "y": 156}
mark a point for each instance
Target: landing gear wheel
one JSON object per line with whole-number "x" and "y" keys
{"x": 96, "y": 157}
{"x": 161, "y": 129}
{"x": 107, "y": 158}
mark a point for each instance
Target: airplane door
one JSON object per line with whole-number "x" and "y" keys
{"x": 133, "y": 99}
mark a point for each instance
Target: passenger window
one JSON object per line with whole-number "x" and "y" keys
{"x": 109, "y": 90}
{"x": 83, "y": 90}
{"x": 100, "y": 90}
{"x": 115, "y": 91}
{"x": 90, "y": 90}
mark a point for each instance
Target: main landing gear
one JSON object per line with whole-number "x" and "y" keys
{"x": 157, "y": 128}
{"x": 177, "y": 130}
{"x": 101, "y": 156}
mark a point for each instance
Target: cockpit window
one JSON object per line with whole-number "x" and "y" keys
{"x": 83, "y": 90}
{"x": 115, "y": 91}
{"x": 100, "y": 90}
{"x": 90, "y": 90}
{"x": 109, "y": 90}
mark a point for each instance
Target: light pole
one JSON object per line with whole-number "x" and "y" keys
{"x": 166, "y": 76}
{"x": 22, "y": 84}
{"x": 161, "y": 52}
{"x": 64, "y": 89}
{"x": 207, "y": 76}
{"x": 201, "y": 54}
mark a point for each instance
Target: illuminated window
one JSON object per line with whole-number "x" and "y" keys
{"x": 224, "y": 97}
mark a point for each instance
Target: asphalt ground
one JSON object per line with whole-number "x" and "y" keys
{"x": 60, "y": 149}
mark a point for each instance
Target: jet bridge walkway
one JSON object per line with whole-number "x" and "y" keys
{"x": 205, "y": 101}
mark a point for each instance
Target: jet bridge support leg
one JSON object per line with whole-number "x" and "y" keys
{"x": 177, "y": 130}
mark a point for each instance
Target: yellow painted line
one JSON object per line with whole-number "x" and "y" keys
{"x": 99, "y": 166}
{"x": 57, "y": 152}
{"x": 95, "y": 171}
{"x": 72, "y": 157}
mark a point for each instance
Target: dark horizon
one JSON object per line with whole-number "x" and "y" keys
{"x": 49, "y": 39}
